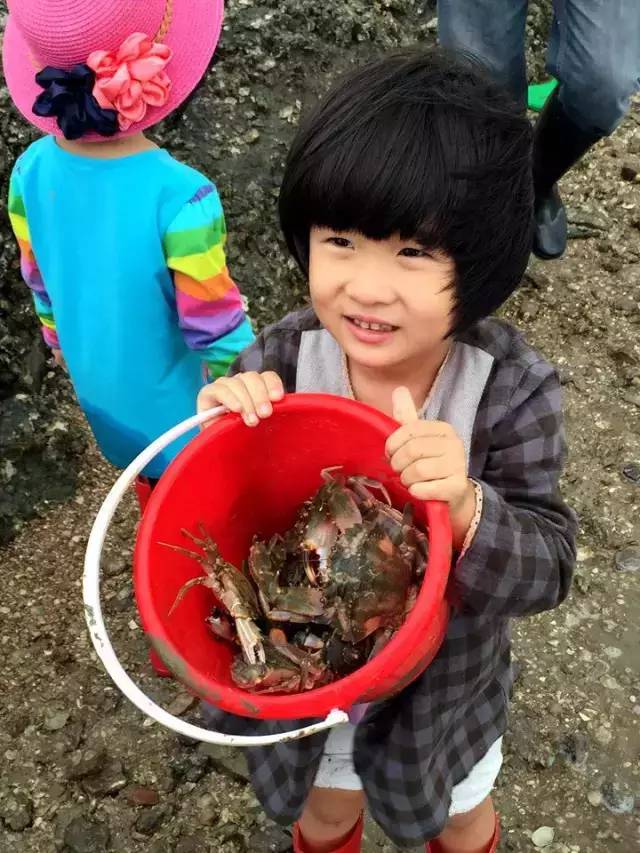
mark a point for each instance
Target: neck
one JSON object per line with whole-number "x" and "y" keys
{"x": 110, "y": 149}
{"x": 375, "y": 386}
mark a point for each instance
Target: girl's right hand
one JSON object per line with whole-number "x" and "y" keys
{"x": 248, "y": 394}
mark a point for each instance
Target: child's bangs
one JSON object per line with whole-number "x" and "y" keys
{"x": 378, "y": 178}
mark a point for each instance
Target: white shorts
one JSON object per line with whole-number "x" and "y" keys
{"x": 337, "y": 771}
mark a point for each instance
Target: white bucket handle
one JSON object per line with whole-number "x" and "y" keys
{"x": 98, "y": 631}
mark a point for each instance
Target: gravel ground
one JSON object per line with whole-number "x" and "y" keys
{"x": 81, "y": 769}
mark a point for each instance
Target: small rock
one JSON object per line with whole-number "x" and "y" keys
{"x": 543, "y": 836}
{"x": 272, "y": 838}
{"x": 56, "y": 720}
{"x": 150, "y": 819}
{"x": 226, "y": 760}
{"x": 16, "y": 811}
{"x": 17, "y": 724}
{"x": 631, "y": 472}
{"x": 631, "y": 397}
{"x": 630, "y": 170}
{"x": 574, "y": 748}
{"x": 86, "y": 836}
{"x": 114, "y": 566}
{"x": 208, "y": 811}
{"x": 192, "y": 844}
{"x": 86, "y": 762}
{"x": 530, "y": 309}
{"x": 625, "y": 304}
{"x": 252, "y": 136}
{"x": 108, "y": 782}
{"x": 181, "y": 704}
{"x": 616, "y": 798}
{"x": 595, "y": 798}
{"x": 611, "y": 264}
{"x": 603, "y": 735}
{"x": 140, "y": 796}
{"x": 432, "y": 25}
{"x": 627, "y": 560}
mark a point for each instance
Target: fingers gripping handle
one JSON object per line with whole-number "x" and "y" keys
{"x": 98, "y": 631}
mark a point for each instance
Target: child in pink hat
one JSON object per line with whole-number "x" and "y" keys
{"x": 122, "y": 246}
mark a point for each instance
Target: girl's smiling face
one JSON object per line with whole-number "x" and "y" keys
{"x": 389, "y": 303}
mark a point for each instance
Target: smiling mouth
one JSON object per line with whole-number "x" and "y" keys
{"x": 371, "y": 325}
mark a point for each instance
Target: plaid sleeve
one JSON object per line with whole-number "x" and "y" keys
{"x": 275, "y": 348}
{"x": 522, "y": 555}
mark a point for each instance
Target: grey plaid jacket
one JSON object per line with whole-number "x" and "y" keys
{"x": 411, "y": 750}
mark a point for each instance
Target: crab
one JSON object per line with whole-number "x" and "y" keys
{"x": 286, "y": 668}
{"x": 281, "y": 603}
{"x": 368, "y": 574}
{"x": 333, "y": 589}
{"x": 232, "y": 589}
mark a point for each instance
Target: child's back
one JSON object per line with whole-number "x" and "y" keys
{"x": 122, "y": 246}
{"x": 107, "y": 235}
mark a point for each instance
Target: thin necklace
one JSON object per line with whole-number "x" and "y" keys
{"x": 423, "y": 408}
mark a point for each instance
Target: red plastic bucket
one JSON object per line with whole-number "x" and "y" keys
{"x": 240, "y": 482}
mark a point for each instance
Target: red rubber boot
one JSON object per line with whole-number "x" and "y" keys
{"x": 352, "y": 844}
{"x": 434, "y": 847}
{"x": 143, "y": 489}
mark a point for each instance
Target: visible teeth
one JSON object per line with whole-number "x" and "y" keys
{"x": 375, "y": 327}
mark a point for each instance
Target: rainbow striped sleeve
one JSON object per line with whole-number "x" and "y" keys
{"x": 210, "y": 308}
{"x": 28, "y": 264}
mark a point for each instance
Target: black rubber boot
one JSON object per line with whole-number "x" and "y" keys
{"x": 558, "y": 144}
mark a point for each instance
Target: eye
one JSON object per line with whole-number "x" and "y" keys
{"x": 413, "y": 252}
{"x": 341, "y": 242}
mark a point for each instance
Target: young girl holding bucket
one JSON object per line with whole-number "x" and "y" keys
{"x": 407, "y": 200}
{"x": 122, "y": 246}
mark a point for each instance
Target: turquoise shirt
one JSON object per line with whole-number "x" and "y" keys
{"x": 125, "y": 258}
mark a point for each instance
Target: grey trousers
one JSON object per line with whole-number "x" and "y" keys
{"x": 594, "y": 51}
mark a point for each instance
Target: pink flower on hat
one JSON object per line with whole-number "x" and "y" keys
{"x": 132, "y": 78}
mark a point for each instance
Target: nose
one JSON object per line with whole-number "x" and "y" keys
{"x": 370, "y": 285}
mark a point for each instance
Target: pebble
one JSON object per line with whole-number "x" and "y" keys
{"x": 181, "y": 704}
{"x": 86, "y": 762}
{"x": 574, "y": 748}
{"x": 108, "y": 782}
{"x": 631, "y": 472}
{"x": 86, "y": 836}
{"x": 543, "y": 836}
{"x": 114, "y": 566}
{"x": 616, "y": 798}
{"x": 272, "y": 838}
{"x": 595, "y": 798}
{"x": 226, "y": 759}
{"x": 150, "y": 819}
{"x": 191, "y": 844}
{"x": 630, "y": 170}
{"x": 603, "y": 735}
{"x": 208, "y": 811}
{"x": 56, "y": 720}
{"x": 140, "y": 796}
{"x": 627, "y": 560}
{"x": 16, "y": 810}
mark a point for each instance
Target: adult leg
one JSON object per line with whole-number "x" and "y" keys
{"x": 493, "y": 31}
{"x": 331, "y": 822}
{"x": 594, "y": 52}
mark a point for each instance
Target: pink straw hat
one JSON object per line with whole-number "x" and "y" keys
{"x": 141, "y": 58}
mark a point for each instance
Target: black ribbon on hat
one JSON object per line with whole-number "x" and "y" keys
{"x": 68, "y": 96}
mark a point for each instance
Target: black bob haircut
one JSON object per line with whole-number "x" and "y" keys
{"x": 427, "y": 146}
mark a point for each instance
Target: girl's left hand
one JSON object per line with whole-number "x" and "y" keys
{"x": 430, "y": 458}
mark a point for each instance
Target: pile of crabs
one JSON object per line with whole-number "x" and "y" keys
{"x": 317, "y": 603}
